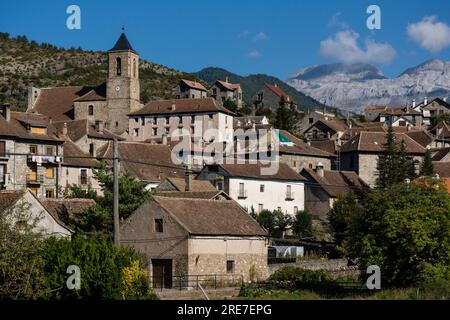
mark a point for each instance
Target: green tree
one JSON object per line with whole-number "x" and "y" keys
{"x": 266, "y": 219}
{"x": 102, "y": 267}
{"x": 132, "y": 194}
{"x": 403, "y": 229}
{"x": 286, "y": 117}
{"x": 21, "y": 263}
{"x": 283, "y": 222}
{"x": 302, "y": 224}
{"x": 230, "y": 105}
{"x": 394, "y": 165}
{"x": 427, "y": 165}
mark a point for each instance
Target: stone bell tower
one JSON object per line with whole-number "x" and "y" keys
{"x": 122, "y": 86}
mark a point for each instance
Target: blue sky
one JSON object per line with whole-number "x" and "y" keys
{"x": 247, "y": 36}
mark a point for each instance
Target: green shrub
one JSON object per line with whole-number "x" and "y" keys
{"x": 299, "y": 275}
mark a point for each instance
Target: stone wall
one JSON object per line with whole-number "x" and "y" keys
{"x": 337, "y": 267}
{"x": 298, "y": 162}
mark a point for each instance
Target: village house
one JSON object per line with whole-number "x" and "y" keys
{"x": 401, "y": 117}
{"x": 150, "y": 163}
{"x": 109, "y": 102}
{"x": 182, "y": 117}
{"x": 30, "y": 153}
{"x": 223, "y": 91}
{"x": 371, "y": 113}
{"x": 253, "y": 190}
{"x": 441, "y": 133}
{"x": 331, "y": 129}
{"x": 87, "y": 136}
{"x": 322, "y": 188}
{"x": 26, "y": 211}
{"x": 189, "y": 89}
{"x": 361, "y": 153}
{"x": 185, "y": 238}
{"x": 442, "y": 171}
{"x": 271, "y": 96}
{"x": 298, "y": 154}
{"x": 435, "y": 107}
{"x": 312, "y": 117}
{"x": 77, "y": 169}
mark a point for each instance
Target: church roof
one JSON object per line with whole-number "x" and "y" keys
{"x": 122, "y": 44}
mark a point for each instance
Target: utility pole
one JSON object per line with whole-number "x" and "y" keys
{"x": 116, "y": 192}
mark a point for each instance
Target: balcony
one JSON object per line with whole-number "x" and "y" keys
{"x": 243, "y": 194}
{"x": 34, "y": 178}
{"x": 289, "y": 196}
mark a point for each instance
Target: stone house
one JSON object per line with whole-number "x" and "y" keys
{"x": 401, "y": 117}
{"x": 312, "y": 117}
{"x": 109, "y": 102}
{"x": 23, "y": 207}
{"x": 30, "y": 153}
{"x": 271, "y": 96}
{"x": 151, "y": 163}
{"x": 436, "y": 107}
{"x": 330, "y": 129}
{"x": 371, "y": 113}
{"x": 253, "y": 190}
{"x": 441, "y": 133}
{"x": 77, "y": 169}
{"x": 185, "y": 238}
{"x": 189, "y": 89}
{"x": 322, "y": 188}
{"x": 361, "y": 153}
{"x": 298, "y": 154}
{"x": 223, "y": 91}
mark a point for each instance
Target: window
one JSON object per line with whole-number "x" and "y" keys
{"x": 117, "y": 123}
{"x": 83, "y": 176}
{"x": 223, "y": 99}
{"x": 261, "y": 188}
{"x": 143, "y": 121}
{"x": 50, "y": 151}
{"x": 38, "y": 130}
{"x": 134, "y": 67}
{"x": 241, "y": 189}
{"x": 50, "y": 173}
{"x": 192, "y": 119}
{"x": 2, "y": 148}
{"x": 154, "y": 120}
{"x": 118, "y": 66}
{"x": 91, "y": 110}
{"x": 310, "y": 166}
{"x": 22, "y": 225}
{"x": 155, "y": 131}
{"x": 2, "y": 172}
{"x": 211, "y": 116}
{"x": 92, "y": 149}
{"x": 230, "y": 266}
{"x": 295, "y": 164}
{"x": 295, "y": 210}
{"x": 260, "y": 207}
{"x": 49, "y": 193}
{"x": 278, "y": 208}
{"x": 193, "y": 96}
{"x": 180, "y": 120}
{"x": 136, "y": 132}
{"x": 33, "y": 149}
{"x": 220, "y": 185}
{"x": 311, "y": 120}
{"x": 159, "y": 225}
{"x": 167, "y": 120}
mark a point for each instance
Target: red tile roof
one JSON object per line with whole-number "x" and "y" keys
{"x": 229, "y": 86}
{"x": 176, "y": 106}
{"x": 280, "y": 93}
{"x": 194, "y": 84}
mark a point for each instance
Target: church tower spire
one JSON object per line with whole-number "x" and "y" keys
{"x": 122, "y": 90}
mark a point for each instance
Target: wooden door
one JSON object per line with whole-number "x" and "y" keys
{"x": 162, "y": 273}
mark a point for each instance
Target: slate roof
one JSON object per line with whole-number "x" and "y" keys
{"x": 374, "y": 142}
{"x": 95, "y": 94}
{"x": 441, "y": 153}
{"x": 211, "y": 217}
{"x": 284, "y": 173}
{"x": 420, "y": 136}
{"x": 122, "y": 44}
{"x": 64, "y": 209}
{"x": 8, "y": 198}
{"x": 165, "y": 107}
{"x": 145, "y": 161}
{"x": 75, "y": 157}
{"x": 335, "y": 183}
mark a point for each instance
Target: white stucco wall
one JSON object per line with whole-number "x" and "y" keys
{"x": 274, "y": 194}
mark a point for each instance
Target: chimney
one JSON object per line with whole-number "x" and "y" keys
{"x": 99, "y": 126}
{"x": 275, "y": 85}
{"x": 164, "y": 139}
{"x": 226, "y": 79}
{"x": 6, "y": 112}
{"x": 172, "y": 107}
{"x": 425, "y": 101}
{"x": 188, "y": 180}
{"x": 33, "y": 94}
{"x": 64, "y": 130}
{"x": 414, "y": 103}
{"x": 319, "y": 169}
{"x": 444, "y": 99}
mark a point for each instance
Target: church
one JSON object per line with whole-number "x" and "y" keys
{"x": 107, "y": 104}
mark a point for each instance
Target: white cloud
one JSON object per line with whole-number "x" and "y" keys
{"x": 430, "y": 34}
{"x": 244, "y": 34}
{"x": 344, "y": 47}
{"x": 260, "y": 36}
{"x": 336, "y": 21}
{"x": 254, "y": 54}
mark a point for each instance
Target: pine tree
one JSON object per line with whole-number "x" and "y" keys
{"x": 427, "y": 165}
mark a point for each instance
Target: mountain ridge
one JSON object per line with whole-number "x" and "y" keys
{"x": 354, "y": 86}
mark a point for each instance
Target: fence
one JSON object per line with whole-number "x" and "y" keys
{"x": 208, "y": 281}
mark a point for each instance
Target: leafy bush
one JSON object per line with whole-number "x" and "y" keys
{"x": 102, "y": 267}
{"x": 300, "y": 276}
